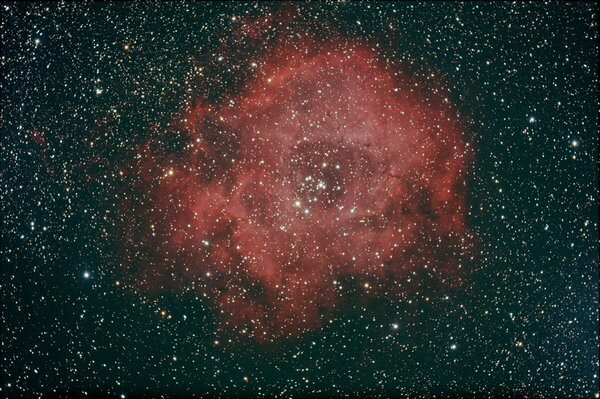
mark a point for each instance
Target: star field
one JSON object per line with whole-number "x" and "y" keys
{"x": 358, "y": 199}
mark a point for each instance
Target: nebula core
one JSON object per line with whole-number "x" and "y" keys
{"x": 328, "y": 164}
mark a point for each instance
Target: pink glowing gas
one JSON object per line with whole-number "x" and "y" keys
{"x": 327, "y": 163}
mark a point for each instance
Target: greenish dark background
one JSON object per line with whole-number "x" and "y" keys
{"x": 525, "y": 323}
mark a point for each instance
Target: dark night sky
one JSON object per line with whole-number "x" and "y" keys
{"x": 85, "y": 86}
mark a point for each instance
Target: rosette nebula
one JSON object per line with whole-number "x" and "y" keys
{"x": 328, "y": 164}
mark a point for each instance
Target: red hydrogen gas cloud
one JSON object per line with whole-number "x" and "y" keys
{"x": 327, "y": 164}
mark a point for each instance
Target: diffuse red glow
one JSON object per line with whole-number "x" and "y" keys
{"x": 328, "y": 163}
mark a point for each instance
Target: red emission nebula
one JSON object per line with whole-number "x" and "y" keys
{"x": 327, "y": 165}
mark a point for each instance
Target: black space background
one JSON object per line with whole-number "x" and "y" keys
{"x": 525, "y": 323}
